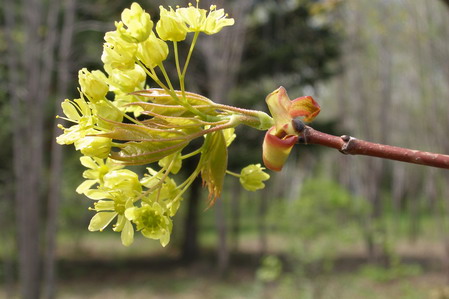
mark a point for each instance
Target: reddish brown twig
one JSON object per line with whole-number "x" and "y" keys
{"x": 352, "y": 146}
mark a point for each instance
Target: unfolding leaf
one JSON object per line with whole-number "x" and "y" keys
{"x": 159, "y": 98}
{"x": 214, "y": 161}
{"x": 133, "y": 132}
{"x": 276, "y": 149}
{"x": 140, "y": 153}
{"x": 278, "y": 103}
{"x": 305, "y": 107}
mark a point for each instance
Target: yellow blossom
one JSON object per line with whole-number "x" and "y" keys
{"x": 252, "y": 177}
{"x": 194, "y": 17}
{"x": 138, "y": 24}
{"x": 93, "y": 84}
{"x": 94, "y": 146}
{"x": 216, "y": 20}
{"x": 96, "y": 169}
{"x": 151, "y": 221}
{"x": 152, "y": 51}
{"x": 77, "y": 111}
{"x": 170, "y": 26}
{"x": 123, "y": 179}
{"x": 117, "y": 53}
{"x": 198, "y": 20}
{"x": 127, "y": 80}
{"x": 173, "y": 161}
{"x": 108, "y": 210}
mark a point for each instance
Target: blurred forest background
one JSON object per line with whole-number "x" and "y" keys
{"x": 327, "y": 226}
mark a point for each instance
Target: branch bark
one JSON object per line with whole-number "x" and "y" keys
{"x": 352, "y": 146}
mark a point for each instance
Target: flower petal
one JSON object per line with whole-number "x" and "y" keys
{"x": 84, "y": 186}
{"x": 88, "y": 162}
{"x": 276, "y": 150}
{"x": 101, "y": 220}
{"x": 127, "y": 234}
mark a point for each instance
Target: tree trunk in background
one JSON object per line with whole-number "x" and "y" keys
{"x": 223, "y": 54}
{"x": 30, "y": 72}
{"x": 27, "y": 139}
{"x": 54, "y": 192}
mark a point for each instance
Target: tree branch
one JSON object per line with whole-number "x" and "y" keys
{"x": 351, "y": 146}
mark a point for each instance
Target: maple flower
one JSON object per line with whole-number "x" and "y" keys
{"x": 152, "y": 221}
{"x": 97, "y": 168}
{"x": 252, "y": 177}
{"x": 112, "y": 204}
{"x": 170, "y": 26}
{"x": 77, "y": 111}
{"x": 94, "y": 146}
{"x": 216, "y": 20}
{"x": 199, "y": 20}
{"x": 127, "y": 80}
{"x": 118, "y": 53}
{"x": 93, "y": 84}
{"x": 152, "y": 51}
{"x": 138, "y": 24}
{"x": 280, "y": 139}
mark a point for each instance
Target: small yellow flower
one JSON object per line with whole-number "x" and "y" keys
{"x": 77, "y": 111}
{"x": 128, "y": 80}
{"x": 108, "y": 210}
{"x": 123, "y": 179}
{"x": 252, "y": 177}
{"x": 96, "y": 169}
{"x": 216, "y": 20}
{"x": 173, "y": 161}
{"x": 94, "y": 146}
{"x": 151, "y": 221}
{"x": 152, "y": 51}
{"x": 198, "y": 20}
{"x": 117, "y": 53}
{"x": 170, "y": 26}
{"x": 138, "y": 24}
{"x": 194, "y": 17}
{"x": 165, "y": 191}
{"x": 93, "y": 84}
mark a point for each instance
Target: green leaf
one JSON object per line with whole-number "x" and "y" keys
{"x": 140, "y": 153}
{"x": 214, "y": 162}
{"x": 132, "y": 132}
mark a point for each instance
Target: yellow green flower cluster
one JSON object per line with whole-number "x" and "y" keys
{"x": 118, "y": 121}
